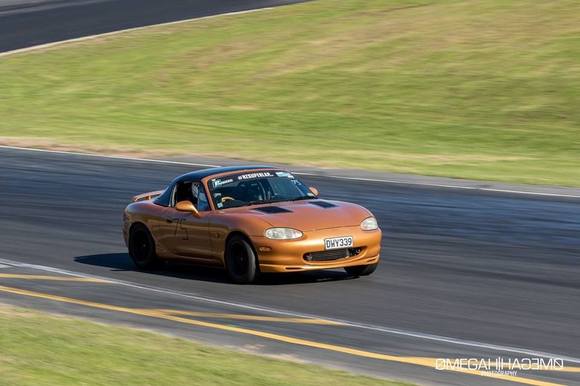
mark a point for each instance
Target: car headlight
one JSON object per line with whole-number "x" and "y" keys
{"x": 282, "y": 233}
{"x": 369, "y": 224}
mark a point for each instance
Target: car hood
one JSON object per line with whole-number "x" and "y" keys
{"x": 309, "y": 215}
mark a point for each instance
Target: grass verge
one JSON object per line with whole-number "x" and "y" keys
{"x": 43, "y": 349}
{"x": 485, "y": 89}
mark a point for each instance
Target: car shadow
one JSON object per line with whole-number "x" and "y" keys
{"x": 185, "y": 270}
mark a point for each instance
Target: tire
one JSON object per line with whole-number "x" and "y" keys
{"x": 241, "y": 261}
{"x": 142, "y": 248}
{"x": 361, "y": 270}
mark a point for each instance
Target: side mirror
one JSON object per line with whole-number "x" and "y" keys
{"x": 314, "y": 191}
{"x": 187, "y": 206}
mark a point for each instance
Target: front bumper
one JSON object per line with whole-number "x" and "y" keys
{"x": 289, "y": 255}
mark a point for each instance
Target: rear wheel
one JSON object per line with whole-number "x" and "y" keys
{"x": 361, "y": 270}
{"x": 142, "y": 247}
{"x": 241, "y": 261}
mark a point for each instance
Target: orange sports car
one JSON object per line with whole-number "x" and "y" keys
{"x": 250, "y": 220}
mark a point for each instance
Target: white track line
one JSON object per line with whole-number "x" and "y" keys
{"x": 96, "y": 36}
{"x": 115, "y": 157}
{"x": 382, "y": 329}
{"x": 387, "y": 181}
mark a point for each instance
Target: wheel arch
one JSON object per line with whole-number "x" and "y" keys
{"x": 138, "y": 223}
{"x": 237, "y": 232}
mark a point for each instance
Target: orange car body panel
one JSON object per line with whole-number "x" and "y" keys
{"x": 202, "y": 239}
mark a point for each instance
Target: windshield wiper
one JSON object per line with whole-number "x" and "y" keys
{"x": 302, "y": 198}
{"x": 259, "y": 202}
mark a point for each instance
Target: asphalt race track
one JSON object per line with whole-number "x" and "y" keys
{"x": 494, "y": 268}
{"x": 464, "y": 273}
{"x": 25, "y": 23}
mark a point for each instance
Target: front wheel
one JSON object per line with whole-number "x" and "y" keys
{"x": 361, "y": 270}
{"x": 142, "y": 247}
{"x": 241, "y": 261}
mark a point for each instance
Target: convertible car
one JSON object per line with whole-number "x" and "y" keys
{"x": 250, "y": 220}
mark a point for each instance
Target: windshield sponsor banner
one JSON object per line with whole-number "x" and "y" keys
{"x": 251, "y": 176}
{"x": 218, "y": 182}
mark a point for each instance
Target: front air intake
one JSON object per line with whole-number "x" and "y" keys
{"x": 333, "y": 254}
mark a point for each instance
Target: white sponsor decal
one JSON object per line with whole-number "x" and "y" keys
{"x": 254, "y": 175}
{"x": 219, "y": 182}
{"x": 284, "y": 174}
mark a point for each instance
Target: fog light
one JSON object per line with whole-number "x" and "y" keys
{"x": 354, "y": 251}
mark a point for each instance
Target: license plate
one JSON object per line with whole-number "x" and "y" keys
{"x": 338, "y": 242}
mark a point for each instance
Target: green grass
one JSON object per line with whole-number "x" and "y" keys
{"x": 486, "y": 89}
{"x": 40, "y": 349}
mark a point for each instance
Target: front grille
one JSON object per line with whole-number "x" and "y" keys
{"x": 333, "y": 254}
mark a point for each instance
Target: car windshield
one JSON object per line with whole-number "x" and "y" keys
{"x": 254, "y": 188}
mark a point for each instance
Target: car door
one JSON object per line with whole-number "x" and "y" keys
{"x": 190, "y": 237}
